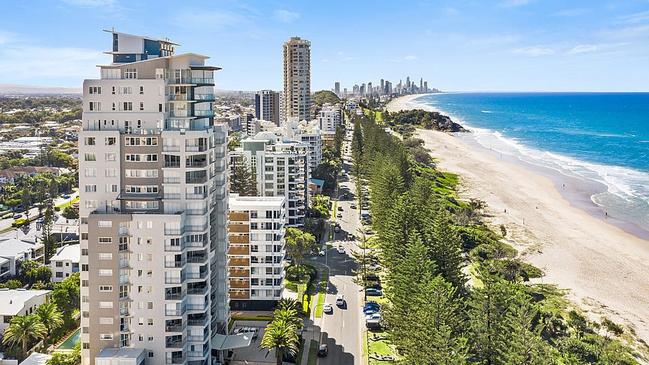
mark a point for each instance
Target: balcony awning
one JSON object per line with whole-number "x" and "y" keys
{"x": 228, "y": 342}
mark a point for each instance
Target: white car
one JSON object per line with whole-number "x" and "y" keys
{"x": 340, "y": 300}
{"x": 340, "y": 249}
{"x": 327, "y": 308}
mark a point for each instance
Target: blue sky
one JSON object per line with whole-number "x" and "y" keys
{"x": 513, "y": 45}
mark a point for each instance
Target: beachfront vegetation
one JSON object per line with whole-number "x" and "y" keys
{"x": 406, "y": 121}
{"x": 455, "y": 292}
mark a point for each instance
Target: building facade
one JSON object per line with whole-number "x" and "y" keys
{"x": 256, "y": 254}
{"x": 297, "y": 78}
{"x": 281, "y": 169}
{"x": 329, "y": 117}
{"x": 65, "y": 262}
{"x": 153, "y": 208}
{"x": 267, "y": 106}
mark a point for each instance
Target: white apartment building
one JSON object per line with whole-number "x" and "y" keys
{"x": 256, "y": 254}
{"x": 329, "y": 118}
{"x": 19, "y": 302}
{"x": 267, "y": 106}
{"x": 297, "y": 78}
{"x": 65, "y": 262}
{"x": 153, "y": 209}
{"x": 308, "y": 134}
{"x": 281, "y": 170}
{"x": 15, "y": 250}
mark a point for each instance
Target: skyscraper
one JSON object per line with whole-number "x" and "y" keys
{"x": 297, "y": 78}
{"x": 337, "y": 88}
{"x": 267, "y": 106}
{"x": 382, "y": 91}
{"x": 153, "y": 232}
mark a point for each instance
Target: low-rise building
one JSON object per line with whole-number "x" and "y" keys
{"x": 15, "y": 250}
{"x": 65, "y": 262}
{"x": 256, "y": 252}
{"x": 329, "y": 117}
{"x": 19, "y": 302}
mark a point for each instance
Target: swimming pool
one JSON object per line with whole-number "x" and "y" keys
{"x": 69, "y": 343}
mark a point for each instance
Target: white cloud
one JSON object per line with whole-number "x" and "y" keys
{"x": 514, "y": 3}
{"x": 286, "y": 16}
{"x": 91, "y": 3}
{"x": 635, "y": 18}
{"x": 48, "y": 62}
{"x": 583, "y": 48}
{"x": 534, "y": 51}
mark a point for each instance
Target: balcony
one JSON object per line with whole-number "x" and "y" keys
{"x": 175, "y": 312}
{"x": 193, "y": 196}
{"x": 174, "y": 264}
{"x": 172, "y": 164}
{"x": 239, "y": 262}
{"x": 177, "y": 327}
{"x": 175, "y": 344}
{"x": 204, "y": 113}
{"x": 175, "y": 360}
{"x": 178, "y": 97}
{"x": 244, "y": 238}
{"x": 202, "y": 338}
{"x": 238, "y": 250}
{"x": 123, "y": 248}
{"x": 196, "y": 275}
{"x": 170, "y": 148}
{"x": 196, "y": 259}
{"x": 236, "y": 216}
{"x": 199, "y": 148}
{"x": 174, "y": 279}
{"x": 239, "y": 273}
{"x": 239, "y": 294}
{"x": 241, "y": 284}
{"x": 199, "y": 228}
{"x": 197, "y": 322}
{"x": 191, "y": 178}
{"x": 197, "y": 306}
{"x": 196, "y": 211}
{"x": 172, "y": 196}
{"x": 239, "y": 228}
{"x": 197, "y": 290}
{"x": 174, "y": 231}
{"x": 202, "y": 80}
{"x": 204, "y": 97}
{"x": 174, "y": 295}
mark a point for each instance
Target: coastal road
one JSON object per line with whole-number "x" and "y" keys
{"x": 342, "y": 330}
{"x": 6, "y": 223}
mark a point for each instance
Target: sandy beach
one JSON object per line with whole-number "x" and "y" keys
{"x": 603, "y": 267}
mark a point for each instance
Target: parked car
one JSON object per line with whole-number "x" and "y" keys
{"x": 321, "y": 253}
{"x": 328, "y": 308}
{"x": 66, "y": 196}
{"x": 371, "y": 308}
{"x": 340, "y": 209}
{"x": 373, "y": 292}
{"x": 323, "y": 350}
{"x": 340, "y": 249}
{"x": 17, "y": 216}
{"x": 373, "y": 317}
{"x": 340, "y": 300}
{"x": 353, "y": 206}
{"x": 339, "y": 215}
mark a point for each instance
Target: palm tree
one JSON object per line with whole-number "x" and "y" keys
{"x": 22, "y": 330}
{"x": 50, "y": 317}
{"x": 287, "y": 303}
{"x": 282, "y": 337}
{"x": 288, "y": 315}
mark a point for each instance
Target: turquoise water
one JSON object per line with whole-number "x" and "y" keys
{"x": 71, "y": 341}
{"x": 599, "y": 137}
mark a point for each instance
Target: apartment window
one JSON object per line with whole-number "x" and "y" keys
{"x": 127, "y": 90}
{"x": 109, "y": 141}
{"x": 94, "y": 90}
{"x": 91, "y": 188}
{"x": 90, "y": 204}
{"x": 149, "y": 322}
{"x": 105, "y": 240}
{"x": 90, "y": 141}
{"x": 141, "y": 90}
{"x": 110, "y": 157}
{"x": 130, "y": 73}
{"x": 110, "y": 172}
{"x": 141, "y": 105}
{"x": 90, "y": 157}
{"x": 84, "y": 252}
{"x": 105, "y": 305}
{"x": 94, "y": 106}
{"x": 104, "y": 224}
{"x": 105, "y": 320}
{"x": 90, "y": 172}
{"x": 105, "y": 256}
{"x": 127, "y": 106}
{"x": 105, "y": 272}
{"x": 114, "y": 107}
{"x": 84, "y": 267}
{"x": 106, "y": 336}
{"x": 105, "y": 288}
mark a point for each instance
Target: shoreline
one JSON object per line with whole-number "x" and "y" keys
{"x": 552, "y": 225}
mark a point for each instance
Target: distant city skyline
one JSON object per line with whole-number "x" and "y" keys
{"x": 504, "y": 45}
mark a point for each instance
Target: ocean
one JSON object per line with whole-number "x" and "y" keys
{"x": 601, "y": 138}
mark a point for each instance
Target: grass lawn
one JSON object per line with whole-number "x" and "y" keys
{"x": 381, "y": 347}
{"x": 313, "y": 352}
{"x": 322, "y": 292}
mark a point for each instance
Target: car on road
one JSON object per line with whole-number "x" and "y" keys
{"x": 340, "y": 300}
{"x": 328, "y": 308}
{"x": 340, "y": 249}
{"x": 353, "y": 206}
{"x": 373, "y": 292}
{"x": 321, "y": 253}
{"x": 66, "y": 196}
{"x": 340, "y": 209}
{"x": 339, "y": 215}
{"x": 323, "y": 350}
{"x": 17, "y": 216}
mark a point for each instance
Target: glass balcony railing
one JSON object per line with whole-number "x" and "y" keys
{"x": 204, "y": 97}
{"x": 203, "y": 113}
